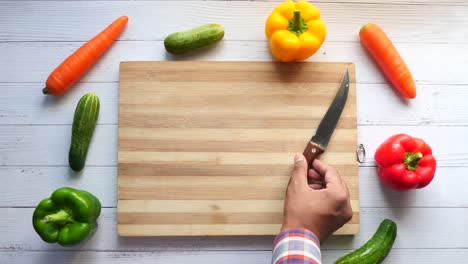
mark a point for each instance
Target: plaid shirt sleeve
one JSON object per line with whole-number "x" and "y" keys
{"x": 296, "y": 246}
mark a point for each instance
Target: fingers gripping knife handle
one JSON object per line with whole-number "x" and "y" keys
{"x": 311, "y": 152}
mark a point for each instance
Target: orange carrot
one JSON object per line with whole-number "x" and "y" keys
{"x": 389, "y": 60}
{"x": 73, "y": 67}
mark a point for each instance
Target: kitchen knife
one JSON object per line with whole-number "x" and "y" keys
{"x": 319, "y": 142}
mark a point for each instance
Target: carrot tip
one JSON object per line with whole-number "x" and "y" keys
{"x": 45, "y": 90}
{"x": 364, "y": 27}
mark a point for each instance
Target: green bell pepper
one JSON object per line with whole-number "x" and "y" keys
{"x": 67, "y": 217}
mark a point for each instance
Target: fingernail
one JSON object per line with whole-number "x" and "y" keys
{"x": 298, "y": 158}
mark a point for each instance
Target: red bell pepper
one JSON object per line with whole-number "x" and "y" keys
{"x": 405, "y": 162}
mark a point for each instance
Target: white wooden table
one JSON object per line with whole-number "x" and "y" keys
{"x": 432, "y": 36}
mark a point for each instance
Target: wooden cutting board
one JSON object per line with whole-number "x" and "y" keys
{"x": 206, "y": 148}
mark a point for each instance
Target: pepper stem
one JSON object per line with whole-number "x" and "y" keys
{"x": 45, "y": 90}
{"x": 61, "y": 217}
{"x": 412, "y": 160}
{"x": 297, "y": 24}
{"x": 297, "y": 20}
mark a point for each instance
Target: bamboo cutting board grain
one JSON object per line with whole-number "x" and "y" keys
{"x": 206, "y": 148}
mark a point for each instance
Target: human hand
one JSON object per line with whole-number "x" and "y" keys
{"x": 319, "y": 208}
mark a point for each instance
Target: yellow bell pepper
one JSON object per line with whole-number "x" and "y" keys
{"x": 294, "y": 30}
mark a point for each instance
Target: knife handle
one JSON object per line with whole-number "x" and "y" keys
{"x": 311, "y": 152}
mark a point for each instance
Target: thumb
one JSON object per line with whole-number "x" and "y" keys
{"x": 299, "y": 174}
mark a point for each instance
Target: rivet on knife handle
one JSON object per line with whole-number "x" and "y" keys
{"x": 311, "y": 152}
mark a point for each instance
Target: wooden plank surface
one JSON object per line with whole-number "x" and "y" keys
{"x": 428, "y": 256}
{"x": 413, "y": 225}
{"x": 228, "y": 129}
{"x": 33, "y": 61}
{"x": 26, "y": 145}
{"x": 435, "y": 105}
{"x": 37, "y": 35}
{"x": 243, "y": 20}
{"x": 102, "y": 181}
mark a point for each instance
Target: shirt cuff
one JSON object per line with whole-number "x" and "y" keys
{"x": 296, "y": 245}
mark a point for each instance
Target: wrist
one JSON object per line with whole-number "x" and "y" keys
{"x": 296, "y": 232}
{"x": 291, "y": 225}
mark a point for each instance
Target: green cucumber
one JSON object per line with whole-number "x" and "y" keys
{"x": 182, "y": 42}
{"x": 376, "y": 249}
{"x": 84, "y": 122}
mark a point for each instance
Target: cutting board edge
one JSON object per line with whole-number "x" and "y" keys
{"x": 125, "y": 230}
{"x": 351, "y": 67}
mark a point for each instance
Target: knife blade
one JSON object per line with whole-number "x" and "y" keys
{"x": 319, "y": 142}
